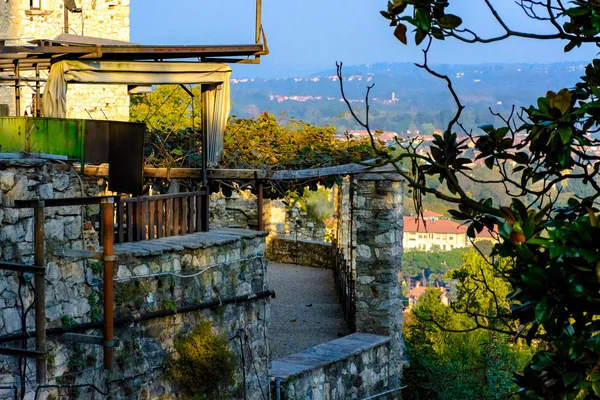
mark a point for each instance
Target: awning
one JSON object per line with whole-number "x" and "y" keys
{"x": 215, "y": 97}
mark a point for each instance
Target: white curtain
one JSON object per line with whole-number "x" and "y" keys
{"x": 214, "y": 79}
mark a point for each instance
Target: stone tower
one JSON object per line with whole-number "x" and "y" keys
{"x": 44, "y": 19}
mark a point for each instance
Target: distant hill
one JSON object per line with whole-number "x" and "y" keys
{"x": 404, "y": 97}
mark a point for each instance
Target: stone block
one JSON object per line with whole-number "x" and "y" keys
{"x": 60, "y": 182}
{"x": 55, "y": 229}
{"x": 76, "y": 308}
{"x": 123, "y": 272}
{"x": 363, "y": 251}
{"x": 46, "y": 191}
{"x": 11, "y": 215}
{"x": 73, "y": 228}
{"x": 141, "y": 270}
{"x": 54, "y": 312}
{"x": 73, "y": 272}
{"x": 53, "y": 272}
{"x": 12, "y": 320}
{"x": 9, "y": 234}
{"x": 7, "y": 180}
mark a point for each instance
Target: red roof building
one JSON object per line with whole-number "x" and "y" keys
{"x": 442, "y": 233}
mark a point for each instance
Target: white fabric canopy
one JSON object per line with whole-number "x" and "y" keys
{"x": 215, "y": 95}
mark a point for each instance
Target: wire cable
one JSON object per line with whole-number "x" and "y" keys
{"x": 177, "y": 275}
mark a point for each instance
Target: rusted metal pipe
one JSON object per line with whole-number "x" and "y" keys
{"x": 260, "y": 201}
{"x": 108, "y": 252}
{"x": 129, "y": 319}
{"x": 40, "y": 292}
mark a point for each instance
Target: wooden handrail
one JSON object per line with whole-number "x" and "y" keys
{"x": 153, "y": 217}
{"x": 163, "y": 196}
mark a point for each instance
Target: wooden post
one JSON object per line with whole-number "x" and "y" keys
{"x": 18, "y": 91}
{"x": 108, "y": 255}
{"x": 204, "y": 199}
{"x": 40, "y": 292}
{"x": 38, "y": 105}
{"x": 260, "y": 201}
{"x": 204, "y": 203}
{"x": 65, "y": 19}
{"x": 258, "y": 20}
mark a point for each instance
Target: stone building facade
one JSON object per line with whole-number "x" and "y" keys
{"x": 108, "y": 19}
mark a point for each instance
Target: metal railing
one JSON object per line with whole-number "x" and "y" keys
{"x": 153, "y": 217}
{"x": 39, "y": 284}
{"x": 345, "y": 285}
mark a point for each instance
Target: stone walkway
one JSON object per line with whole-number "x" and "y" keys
{"x": 305, "y": 312}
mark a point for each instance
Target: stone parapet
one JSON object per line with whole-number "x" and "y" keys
{"x": 302, "y": 252}
{"x": 352, "y": 367}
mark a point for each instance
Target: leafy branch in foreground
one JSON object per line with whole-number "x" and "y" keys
{"x": 554, "y": 254}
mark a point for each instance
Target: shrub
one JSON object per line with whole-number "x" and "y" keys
{"x": 205, "y": 366}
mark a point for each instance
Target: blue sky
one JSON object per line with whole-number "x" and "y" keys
{"x": 307, "y": 36}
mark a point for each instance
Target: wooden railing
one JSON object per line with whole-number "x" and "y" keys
{"x": 151, "y": 217}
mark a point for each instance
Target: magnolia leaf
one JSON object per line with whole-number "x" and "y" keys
{"x": 508, "y": 215}
{"x": 400, "y": 33}
{"x": 450, "y": 21}
{"x": 543, "y": 312}
{"x": 561, "y": 100}
{"x": 570, "y": 46}
{"x": 517, "y": 237}
{"x": 420, "y": 36}
{"x": 544, "y": 105}
{"x": 596, "y": 388}
{"x": 593, "y": 220}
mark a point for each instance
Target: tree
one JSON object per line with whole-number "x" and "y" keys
{"x": 555, "y": 257}
{"x": 451, "y": 360}
{"x": 168, "y": 108}
{"x": 435, "y": 264}
{"x": 427, "y": 129}
{"x": 173, "y": 121}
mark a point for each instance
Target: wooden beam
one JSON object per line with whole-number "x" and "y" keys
{"x": 346, "y": 169}
{"x": 247, "y": 174}
{"x": 185, "y": 173}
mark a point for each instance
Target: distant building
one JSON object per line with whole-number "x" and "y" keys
{"x": 419, "y": 290}
{"x": 444, "y": 233}
{"x": 438, "y": 231}
{"x": 415, "y": 293}
{"x": 386, "y": 136}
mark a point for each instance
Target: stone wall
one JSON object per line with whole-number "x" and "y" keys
{"x": 354, "y": 367}
{"x": 30, "y": 179}
{"x": 107, "y": 19}
{"x": 302, "y": 252}
{"x": 240, "y": 210}
{"x": 227, "y": 274}
{"x": 377, "y": 218}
